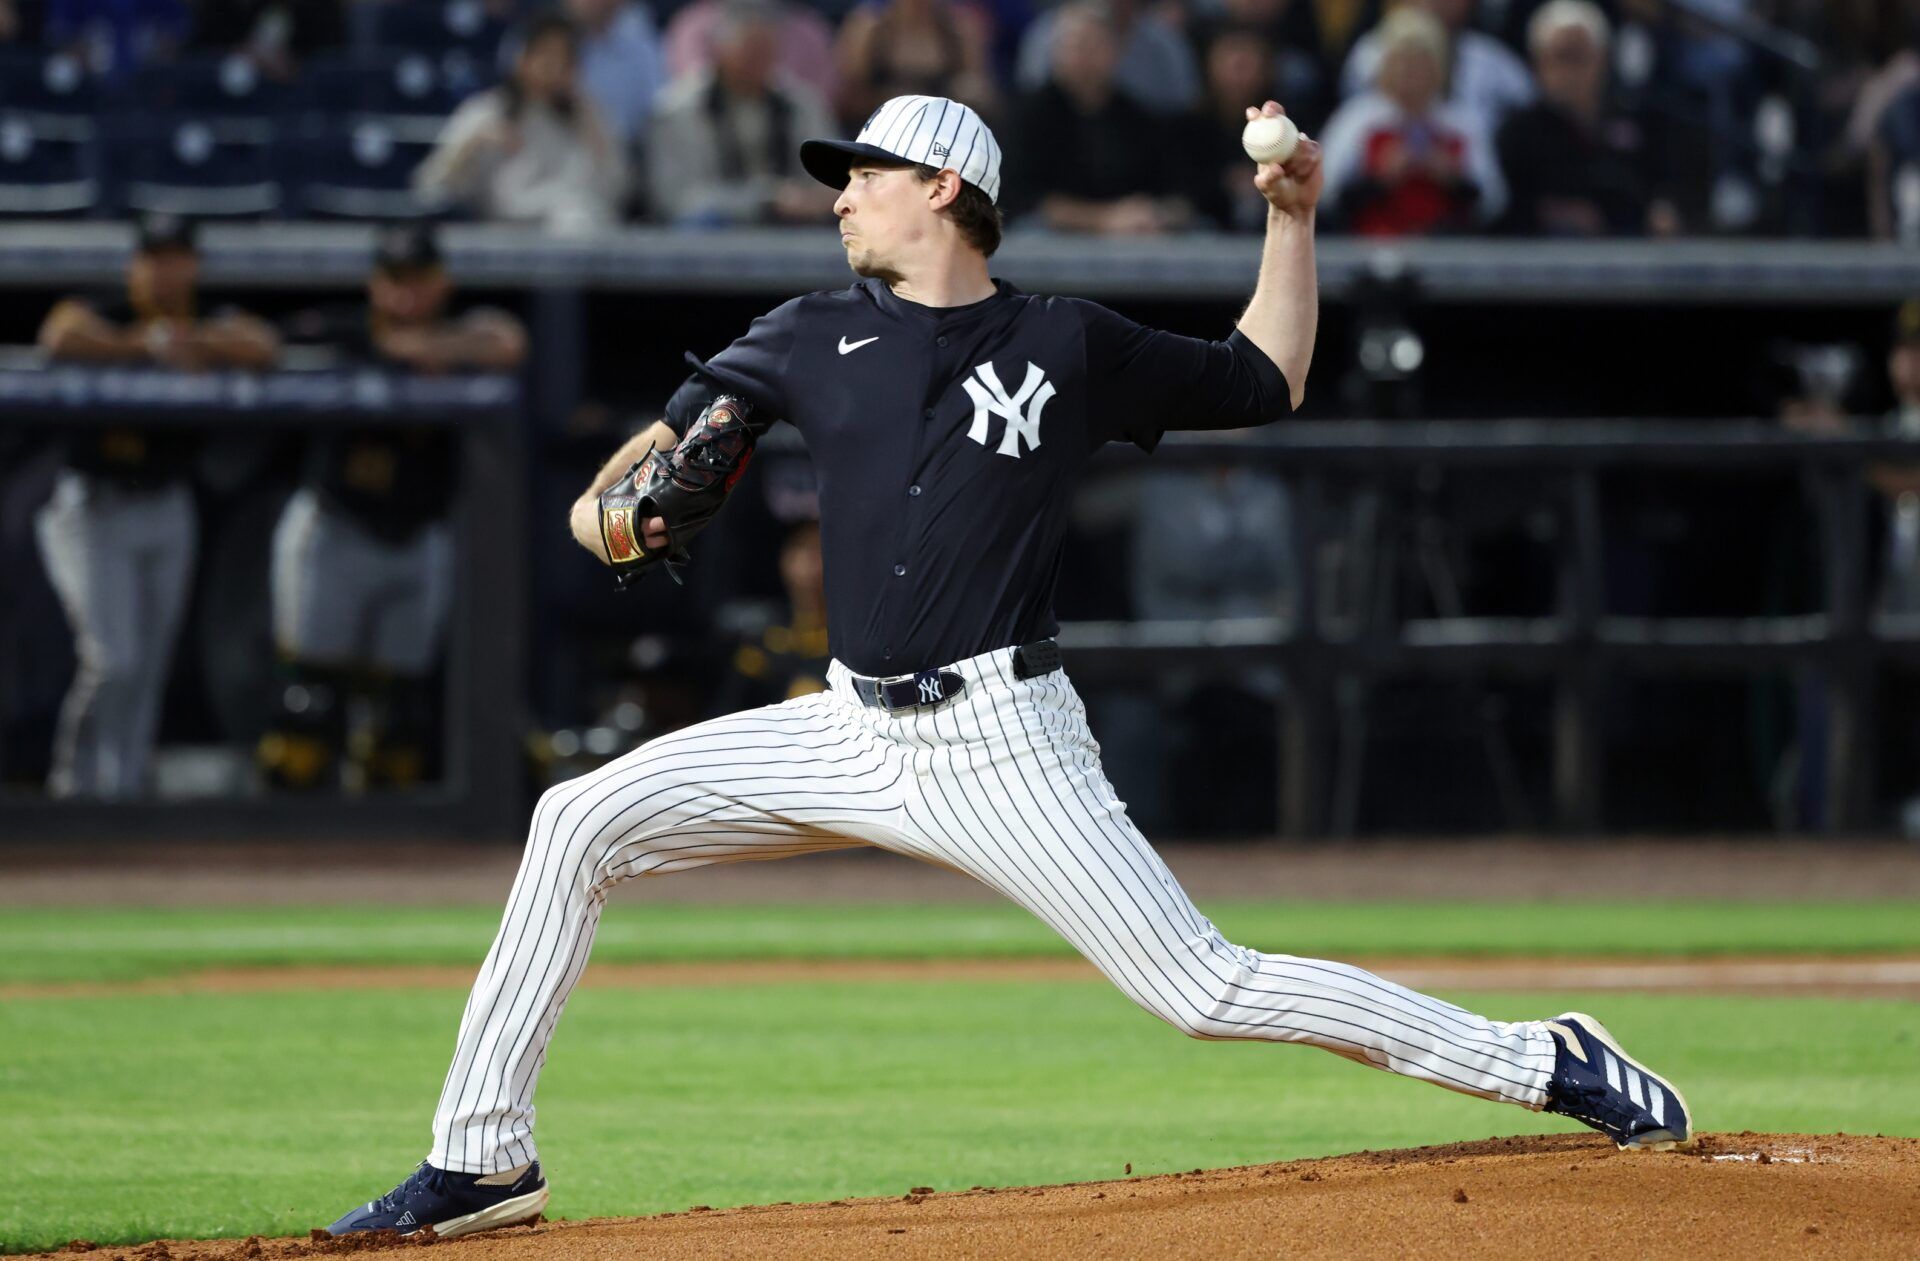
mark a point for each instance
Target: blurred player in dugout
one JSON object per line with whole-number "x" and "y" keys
{"x": 363, "y": 555}
{"x": 785, "y": 658}
{"x": 790, "y": 658}
{"x": 118, "y": 534}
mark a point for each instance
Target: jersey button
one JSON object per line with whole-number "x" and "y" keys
{"x": 928, "y": 413}
{"x": 899, "y": 571}
{"x": 941, "y": 341}
{"x": 913, "y": 490}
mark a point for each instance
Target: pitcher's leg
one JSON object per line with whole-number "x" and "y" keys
{"x": 788, "y": 779}
{"x": 1029, "y": 813}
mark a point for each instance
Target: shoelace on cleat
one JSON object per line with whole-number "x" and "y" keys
{"x": 426, "y": 1177}
{"x": 1598, "y": 1104}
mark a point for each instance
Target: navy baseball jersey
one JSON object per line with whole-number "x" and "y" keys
{"x": 947, "y": 442}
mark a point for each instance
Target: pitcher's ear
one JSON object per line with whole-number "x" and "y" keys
{"x": 945, "y": 188}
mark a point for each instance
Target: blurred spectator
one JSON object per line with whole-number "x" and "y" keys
{"x": 1899, "y": 484}
{"x": 1006, "y": 22}
{"x": 1217, "y": 177}
{"x": 363, "y": 558}
{"x": 789, "y": 659}
{"x": 806, "y": 54}
{"x": 1688, "y": 66}
{"x": 1085, "y": 157}
{"x": 1860, "y": 42}
{"x": 115, "y": 37}
{"x": 1893, "y": 170}
{"x": 1399, "y": 160}
{"x": 532, "y": 150}
{"x": 1487, "y": 78}
{"x": 725, "y": 143}
{"x": 118, "y": 537}
{"x": 1573, "y": 166}
{"x": 1880, "y": 54}
{"x": 1299, "y": 78}
{"x": 913, "y": 48}
{"x": 1899, "y": 489}
{"x": 1288, "y": 23}
{"x": 621, "y": 66}
{"x": 275, "y": 34}
{"x": 1341, "y": 23}
{"x": 1156, "y": 67}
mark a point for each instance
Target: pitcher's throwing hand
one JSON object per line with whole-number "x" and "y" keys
{"x": 1293, "y": 186}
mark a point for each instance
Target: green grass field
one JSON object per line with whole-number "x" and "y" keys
{"x": 141, "y": 1115}
{"x": 67, "y": 944}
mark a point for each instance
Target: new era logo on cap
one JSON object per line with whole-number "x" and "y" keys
{"x": 924, "y": 130}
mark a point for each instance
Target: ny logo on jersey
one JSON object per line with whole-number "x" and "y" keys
{"x": 990, "y": 398}
{"x": 929, "y": 687}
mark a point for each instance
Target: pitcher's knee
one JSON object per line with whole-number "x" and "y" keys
{"x": 589, "y": 826}
{"x": 558, "y": 821}
{"x": 1204, "y": 1008}
{"x": 1193, "y": 1013}
{"x": 546, "y": 813}
{"x": 1209, "y": 1027}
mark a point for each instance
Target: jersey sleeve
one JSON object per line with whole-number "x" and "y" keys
{"x": 754, "y": 367}
{"x": 1147, "y": 381}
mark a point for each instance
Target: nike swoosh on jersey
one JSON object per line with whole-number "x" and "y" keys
{"x": 847, "y": 346}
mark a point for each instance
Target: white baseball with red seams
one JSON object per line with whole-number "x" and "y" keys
{"x": 1270, "y": 138}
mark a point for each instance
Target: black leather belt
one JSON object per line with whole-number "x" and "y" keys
{"x": 936, "y": 687}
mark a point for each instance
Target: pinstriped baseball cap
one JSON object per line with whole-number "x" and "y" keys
{"x": 921, "y": 130}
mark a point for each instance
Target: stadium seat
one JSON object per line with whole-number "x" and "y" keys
{"x": 195, "y": 164}
{"x": 47, "y": 83}
{"x": 46, "y": 165}
{"x": 389, "y": 83}
{"x": 226, "y": 84}
{"x": 362, "y": 168}
{"x": 438, "y": 25}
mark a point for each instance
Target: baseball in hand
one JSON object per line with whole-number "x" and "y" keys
{"x": 1270, "y": 138}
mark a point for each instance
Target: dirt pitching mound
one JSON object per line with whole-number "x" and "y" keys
{"x": 1568, "y": 1195}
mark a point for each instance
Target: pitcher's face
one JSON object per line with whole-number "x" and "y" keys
{"x": 883, "y": 211}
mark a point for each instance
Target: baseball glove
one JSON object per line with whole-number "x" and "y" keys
{"x": 684, "y": 487}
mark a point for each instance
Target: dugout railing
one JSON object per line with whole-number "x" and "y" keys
{"x": 1330, "y": 656}
{"x": 1577, "y": 649}
{"x": 779, "y": 263}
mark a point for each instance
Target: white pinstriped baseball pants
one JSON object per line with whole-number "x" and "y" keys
{"x": 1004, "y": 784}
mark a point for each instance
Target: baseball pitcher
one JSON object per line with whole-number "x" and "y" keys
{"x": 949, "y": 417}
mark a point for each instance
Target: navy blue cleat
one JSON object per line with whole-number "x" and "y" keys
{"x": 454, "y": 1204}
{"x": 1597, "y": 1083}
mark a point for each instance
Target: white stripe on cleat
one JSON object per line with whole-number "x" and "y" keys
{"x": 514, "y": 1212}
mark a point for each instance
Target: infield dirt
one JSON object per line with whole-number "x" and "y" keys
{"x": 1569, "y": 1195}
